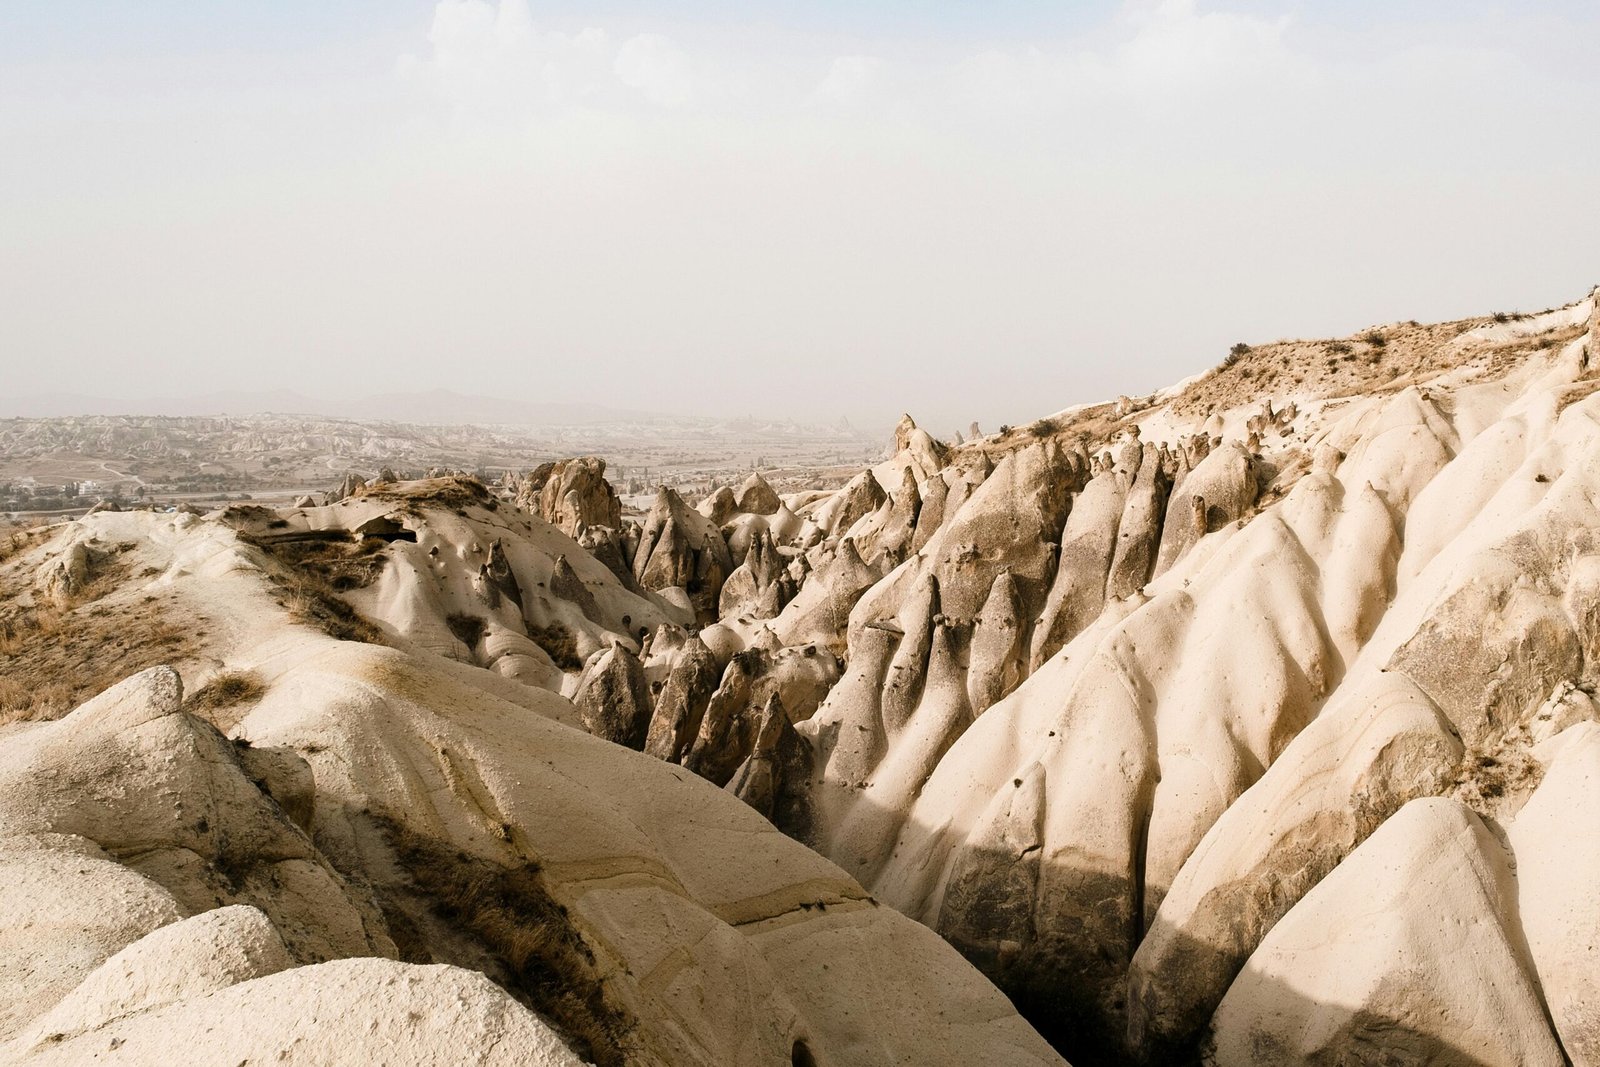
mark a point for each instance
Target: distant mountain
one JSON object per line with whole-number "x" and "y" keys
{"x": 436, "y": 407}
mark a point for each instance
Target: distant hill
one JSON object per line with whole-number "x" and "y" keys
{"x": 435, "y": 407}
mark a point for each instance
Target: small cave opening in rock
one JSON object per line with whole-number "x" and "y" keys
{"x": 385, "y": 529}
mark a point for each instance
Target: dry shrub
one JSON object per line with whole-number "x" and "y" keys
{"x": 456, "y": 492}
{"x": 525, "y": 939}
{"x": 312, "y": 568}
{"x": 469, "y": 629}
{"x": 312, "y": 600}
{"x": 225, "y": 690}
{"x": 15, "y": 538}
{"x": 57, "y": 658}
{"x": 335, "y": 557}
{"x": 558, "y": 643}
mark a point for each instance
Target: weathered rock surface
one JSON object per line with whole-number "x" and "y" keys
{"x": 1555, "y": 872}
{"x": 431, "y": 790}
{"x": 775, "y": 778}
{"x": 757, "y": 497}
{"x": 681, "y": 705}
{"x": 1251, "y": 651}
{"x": 680, "y": 548}
{"x": 613, "y": 698}
{"x": 570, "y": 494}
{"x": 761, "y": 586}
{"x": 1409, "y": 949}
{"x": 348, "y": 1011}
{"x": 1209, "y": 725}
{"x": 66, "y": 576}
{"x": 860, "y": 498}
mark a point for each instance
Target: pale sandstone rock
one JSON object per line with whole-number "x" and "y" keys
{"x": 614, "y": 699}
{"x": 200, "y": 955}
{"x": 571, "y": 493}
{"x": 1556, "y": 871}
{"x": 757, "y": 497}
{"x": 681, "y": 704}
{"x": 67, "y": 908}
{"x": 347, "y": 1011}
{"x": 680, "y": 548}
{"x": 1408, "y": 949}
{"x": 132, "y": 741}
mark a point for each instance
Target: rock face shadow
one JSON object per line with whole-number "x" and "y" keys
{"x": 1065, "y": 967}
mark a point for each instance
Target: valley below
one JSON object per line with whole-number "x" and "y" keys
{"x": 1249, "y": 722}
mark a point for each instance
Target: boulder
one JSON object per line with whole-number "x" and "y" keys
{"x": 572, "y": 493}
{"x": 681, "y": 705}
{"x": 680, "y": 548}
{"x": 613, "y": 698}
{"x": 348, "y": 1011}
{"x": 776, "y": 776}
{"x": 757, "y": 497}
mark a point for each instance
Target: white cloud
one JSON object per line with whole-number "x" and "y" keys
{"x": 656, "y": 67}
{"x": 1161, "y": 53}
{"x": 851, "y": 80}
{"x": 489, "y": 59}
{"x": 1175, "y": 47}
{"x": 1005, "y": 81}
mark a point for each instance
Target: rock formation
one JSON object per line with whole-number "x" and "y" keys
{"x": 680, "y": 549}
{"x": 760, "y": 586}
{"x": 571, "y": 493}
{"x": 860, "y": 498}
{"x": 680, "y": 706}
{"x": 757, "y": 497}
{"x": 613, "y": 698}
{"x": 65, "y": 576}
{"x": 1235, "y": 724}
{"x": 173, "y": 912}
{"x": 775, "y": 778}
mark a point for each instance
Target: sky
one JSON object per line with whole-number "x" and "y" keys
{"x": 965, "y": 210}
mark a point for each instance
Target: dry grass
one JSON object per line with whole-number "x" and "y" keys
{"x": 335, "y": 557}
{"x": 20, "y": 702}
{"x": 525, "y": 939}
{"x": 16, "y": 537}
{"x": 1377, "y": 362}
{"x": 314, "y": 567}
{"x": 455, "y": 492}
{"x": 469, "y": 629}
{"x": 57, "y": 658}
{"x": 312, "y": 600}
{"x": 1374, "y": 362}
{"x": 1499, "y": 357}
{"x": 558, "y": 643}
{"x": 54, "y": 657}
{"x": 1092, "y": 424}
{"x": 226, "y": 690}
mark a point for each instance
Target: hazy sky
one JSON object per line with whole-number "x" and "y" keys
{"x": 988, "y": 209}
